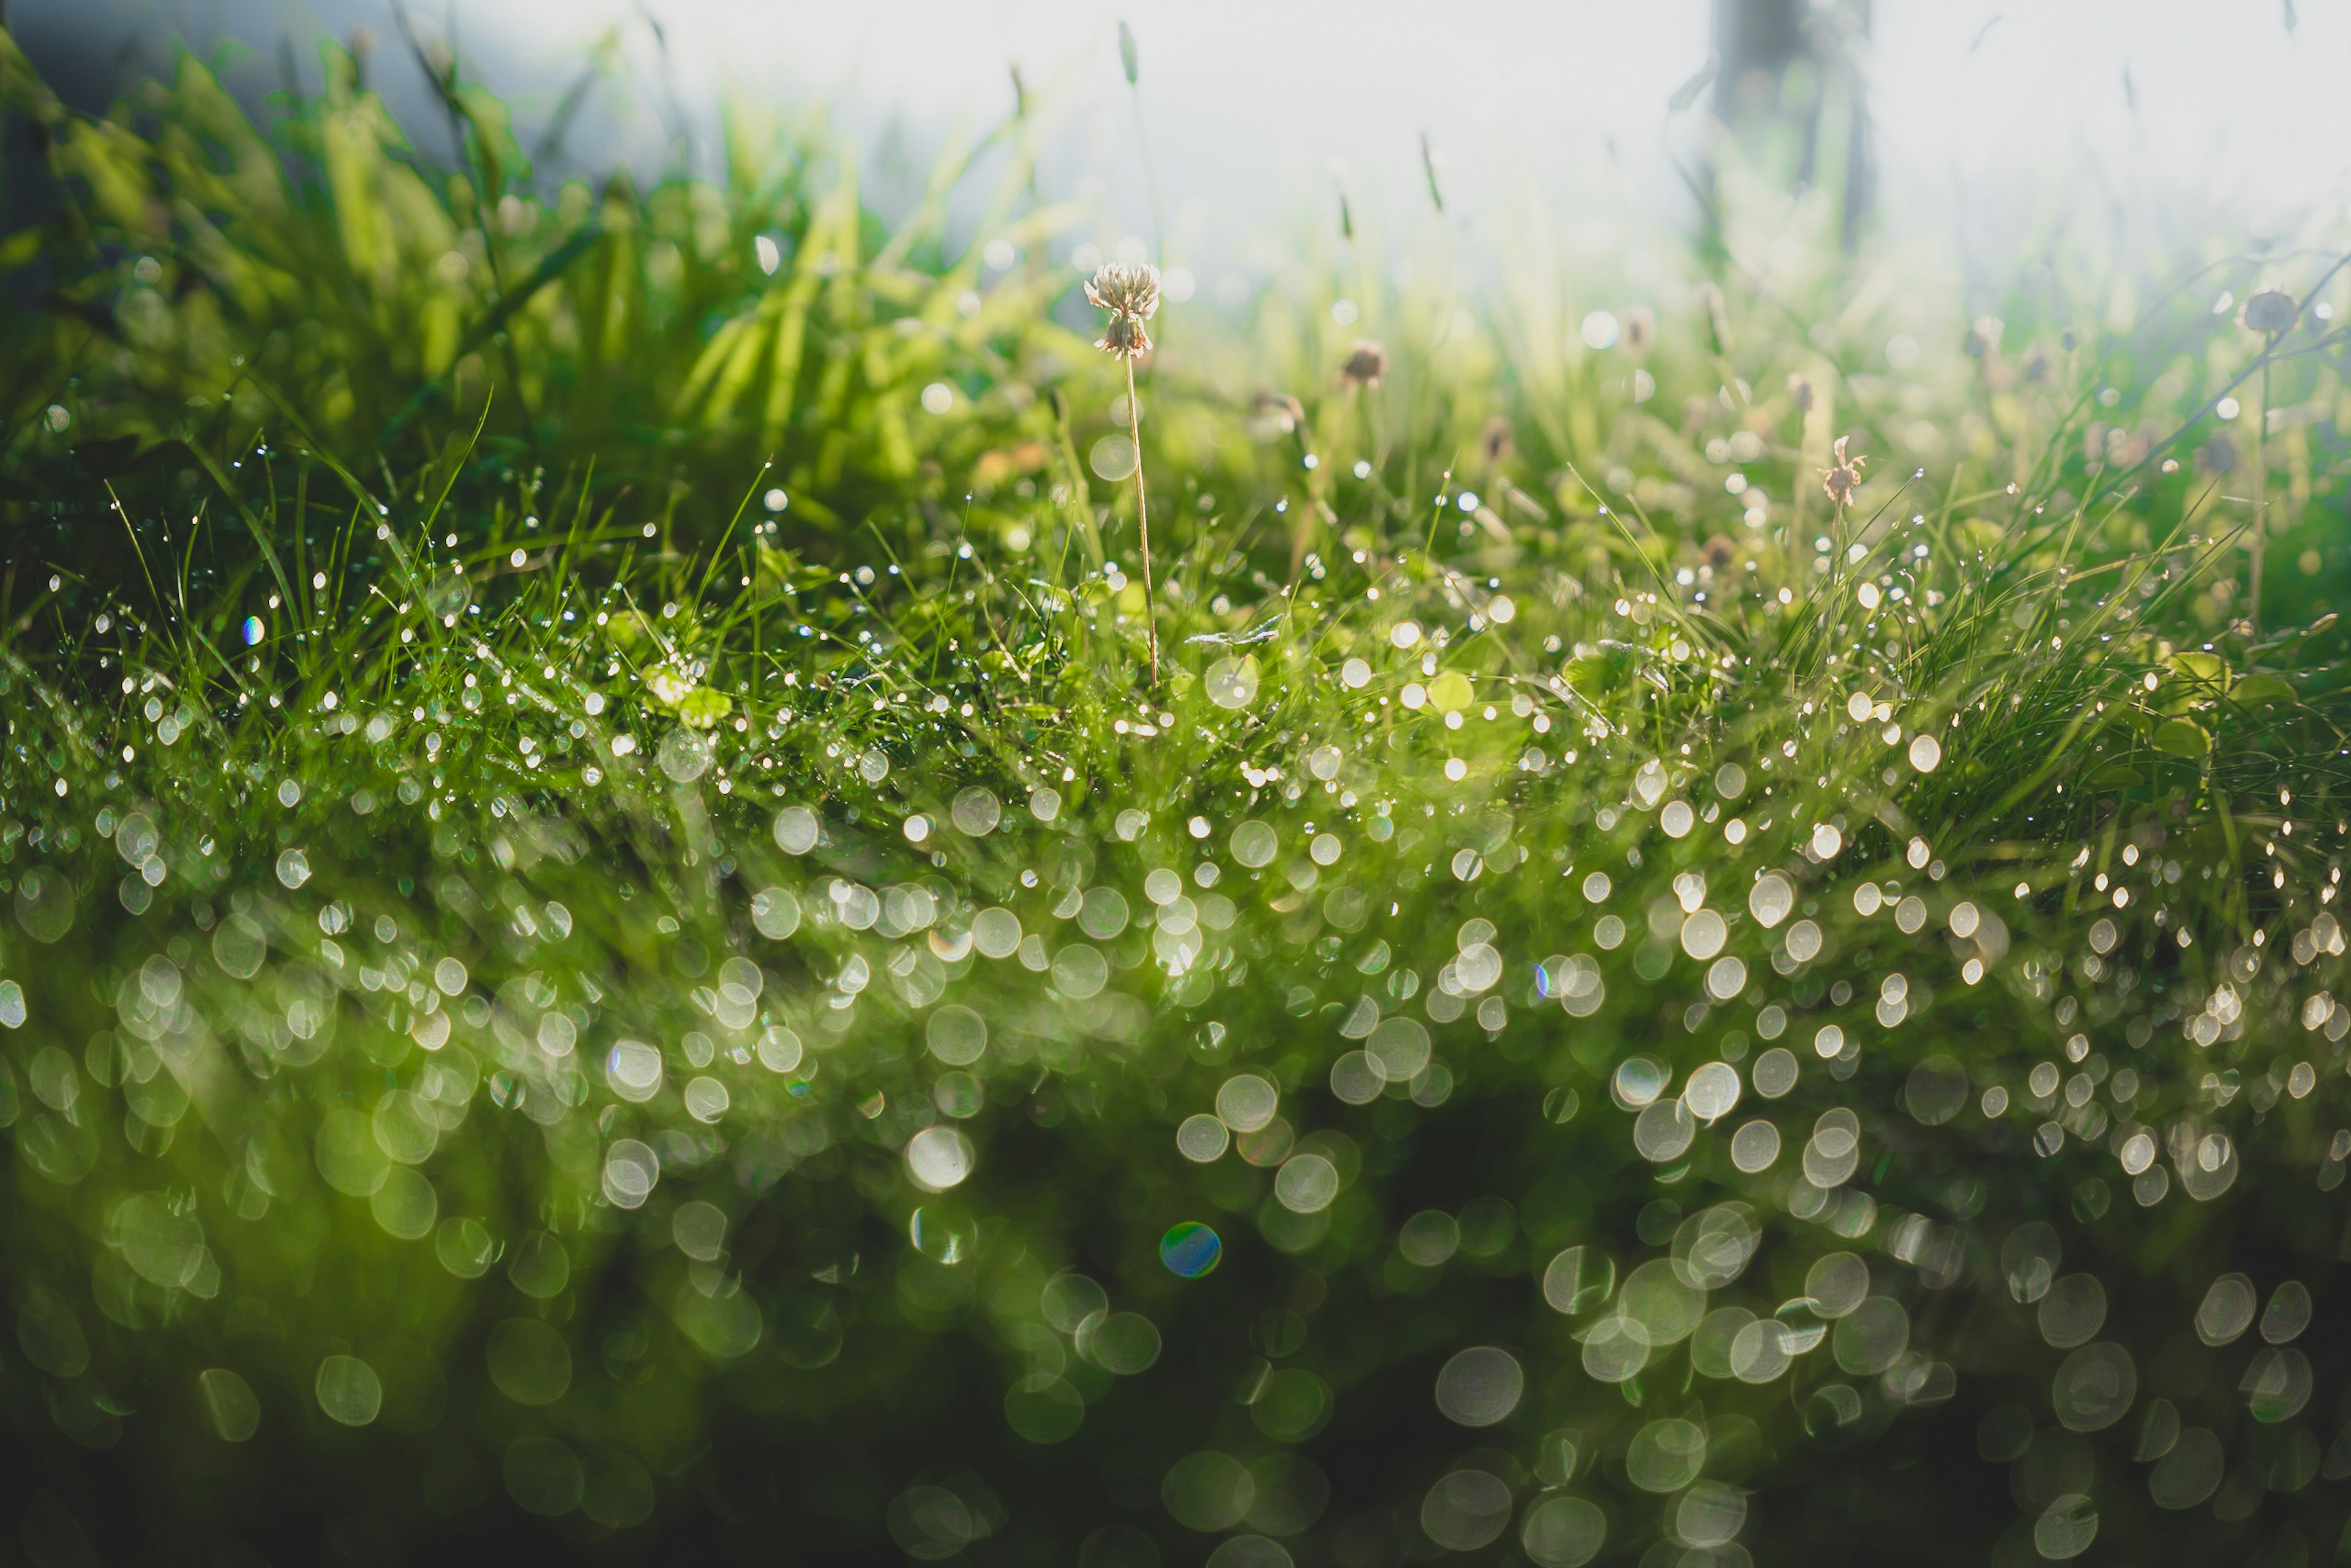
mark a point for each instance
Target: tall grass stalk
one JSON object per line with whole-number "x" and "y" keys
{"x": 1131, "y": 294}
{"x": 1143, "y": 521}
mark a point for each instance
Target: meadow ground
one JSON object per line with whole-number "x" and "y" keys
{"x": 1713, "y": 942}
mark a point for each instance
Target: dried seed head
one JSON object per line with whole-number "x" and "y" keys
{"x": 1124, "y": 288}
{"x": 1846, "y": 476}
{"x": 1843, "y": 480}
{"x": 1366, "y": 365}
{"x": 1983, "y": 340}
{"x": 1719, "y": 552}
{"x": 1278, "y": 412}
{"x": 1799, "y": 388}
{"x": 1124, "y": 337}
{"x": 2270, "y": 310}
{"x": 1637, "y": 328}
{"x": 1497, "y": 440}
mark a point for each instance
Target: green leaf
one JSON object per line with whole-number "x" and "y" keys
{"x": 703, "y": 708}
{"x": 1597, "y": 675}
{"x": 2182, "y": 737}
{"x": 19, "y": 249}
{"x": 2204, "y": 676}
{"x": 2257, "y": 691}
{"x": 1451, "y": 692}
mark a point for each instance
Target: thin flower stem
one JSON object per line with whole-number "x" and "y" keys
{"x": 1143, "y": 518}
{"x": 2261, "y": 499}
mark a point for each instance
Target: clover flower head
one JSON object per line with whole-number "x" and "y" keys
{"x": 1130, "y": 292}
{"x": 1124, "y": 337}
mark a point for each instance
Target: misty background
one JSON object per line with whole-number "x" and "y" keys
{"x": 1988, "y": 118}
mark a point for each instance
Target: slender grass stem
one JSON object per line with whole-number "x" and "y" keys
{"x": 1143, "y": 521}
{"x": 2261, "y": 501}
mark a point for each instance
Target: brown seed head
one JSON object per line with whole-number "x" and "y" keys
{"x": 1278, "y": 411}
{"x": 1124, "y": 337}
{"x": 1497, "y": 440}
{"x": 1799, "y": 388}
{"x": 1366, "y": 365}
{"x": 1637, "y": 328}
{"x": 2270, "y": 310}
{"x": 1843, "y": 480}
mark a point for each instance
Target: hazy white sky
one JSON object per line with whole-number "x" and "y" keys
{"x": 1251, "y": 103}
{"x": 1247, "y": 100}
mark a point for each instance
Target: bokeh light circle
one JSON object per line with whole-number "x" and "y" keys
{"x": 1190, "y": 1250}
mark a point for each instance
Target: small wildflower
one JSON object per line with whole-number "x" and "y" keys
{"x": 1719, "y": 550}
{"x": 1843, "y": 480}
{"x": 2270, "y": 310}
{"x": 1366, "y": 365}
{"x": 1130, "y": 292}
{"x": 1125, "y": 289}
{"x": 1800, "y": 389}
{"x": 1983, "y": 340}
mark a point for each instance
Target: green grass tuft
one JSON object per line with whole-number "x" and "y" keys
{"x": 613, "y": 944}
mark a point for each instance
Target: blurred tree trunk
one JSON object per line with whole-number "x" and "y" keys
{"x": 1795, "y": 67}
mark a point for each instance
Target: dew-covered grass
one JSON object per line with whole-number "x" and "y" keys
{"x": 614, "y": 950}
